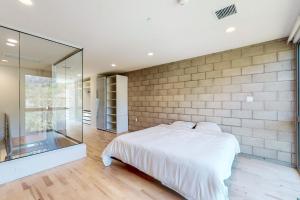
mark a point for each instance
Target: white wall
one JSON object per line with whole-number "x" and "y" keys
{"x": 9, "y": 100}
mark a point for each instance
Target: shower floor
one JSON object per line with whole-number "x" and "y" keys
{"x": 35, "y": 143}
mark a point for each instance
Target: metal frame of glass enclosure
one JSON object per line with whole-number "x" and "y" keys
{"x": 298, "y": 104}
{"x": 48, "y": 135}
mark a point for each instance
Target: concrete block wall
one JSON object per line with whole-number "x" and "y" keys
{"x": 215, "y": 88}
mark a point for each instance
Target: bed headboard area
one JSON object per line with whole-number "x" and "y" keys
{"x": 249, "y": 91}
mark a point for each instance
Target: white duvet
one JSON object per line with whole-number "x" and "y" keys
{"x": 195, "y": 164}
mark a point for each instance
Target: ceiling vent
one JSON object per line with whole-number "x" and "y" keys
{"x": 225, "y": 12}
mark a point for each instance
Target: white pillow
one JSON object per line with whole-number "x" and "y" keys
{"x": 182, "y": 124}
{"x": 208, "y": 126}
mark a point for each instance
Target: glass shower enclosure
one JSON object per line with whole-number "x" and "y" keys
{"x": 40, "y": 95}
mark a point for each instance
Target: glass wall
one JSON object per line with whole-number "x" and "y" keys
{"x": 41, "y": 95}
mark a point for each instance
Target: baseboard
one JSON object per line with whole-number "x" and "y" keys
{"x": 287, "y": 164}
{"x": 21, "y": 167}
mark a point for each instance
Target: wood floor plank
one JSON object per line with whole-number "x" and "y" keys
{"x": 47, "y": 181}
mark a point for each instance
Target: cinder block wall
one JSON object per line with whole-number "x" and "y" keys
{"x": 215, "y": 88}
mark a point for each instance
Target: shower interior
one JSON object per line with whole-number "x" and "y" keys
{"x": 41, "y": 95}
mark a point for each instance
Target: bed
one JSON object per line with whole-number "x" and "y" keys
{"x": 194, "y": 163}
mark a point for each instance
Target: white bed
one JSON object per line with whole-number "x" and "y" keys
{"x": 193, "y": 163}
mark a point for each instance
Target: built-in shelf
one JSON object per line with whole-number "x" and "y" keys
{"x": 86, "y": 116}
{"x": 117, "y": 104}
{"x": 86, "y": 84}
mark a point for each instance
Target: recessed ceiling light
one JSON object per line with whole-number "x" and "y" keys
{"x": 150, "y": 54}
{"x": 4, "y": 60}
{"x": 113, "y": 65}
{"x": 230, "y": 29}
{"x": 12, "y": 40}
{"x": 26, "y": 2}
{"x": 10, "y": 44}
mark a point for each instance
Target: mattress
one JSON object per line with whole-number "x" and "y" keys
{"x": 194, "y": 164}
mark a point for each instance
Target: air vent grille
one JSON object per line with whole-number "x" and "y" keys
{"x": 225, "y": 12}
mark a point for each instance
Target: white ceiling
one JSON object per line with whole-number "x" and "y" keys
{"x": 117, "y": 31}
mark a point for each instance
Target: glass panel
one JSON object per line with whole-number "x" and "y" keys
{"x": 9, "y": 88}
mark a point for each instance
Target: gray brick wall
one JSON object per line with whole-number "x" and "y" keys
{"x": 215, "y": 87}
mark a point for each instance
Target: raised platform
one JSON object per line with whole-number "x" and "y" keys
{"x": 21, "y": 167}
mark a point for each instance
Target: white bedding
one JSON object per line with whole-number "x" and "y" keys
{"x": 193, "y": 164}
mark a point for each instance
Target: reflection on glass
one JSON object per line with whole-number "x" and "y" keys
{"x": 42, "y": 106}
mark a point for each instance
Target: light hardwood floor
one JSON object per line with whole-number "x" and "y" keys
{"x": 88, "y": 179}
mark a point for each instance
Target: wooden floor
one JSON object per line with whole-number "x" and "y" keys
{"x": 87, "y": 179}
